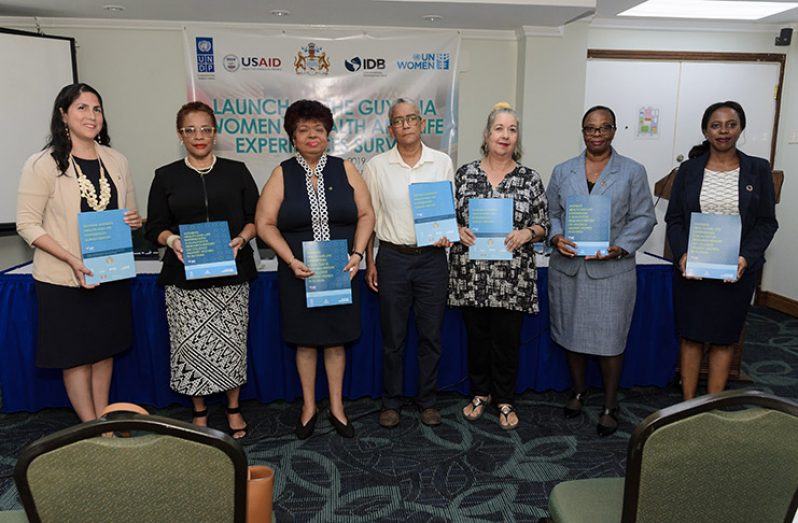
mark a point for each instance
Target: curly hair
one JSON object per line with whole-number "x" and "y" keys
{"x": 304, "y": 110}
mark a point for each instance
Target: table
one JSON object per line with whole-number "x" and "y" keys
{"x": 141, "y": 375}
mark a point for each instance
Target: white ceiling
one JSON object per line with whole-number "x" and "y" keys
{"x": 463, "y": 14}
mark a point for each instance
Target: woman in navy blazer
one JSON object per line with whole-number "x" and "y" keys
{"x": 592, "y": 298}
{"x": 720, "y": 179}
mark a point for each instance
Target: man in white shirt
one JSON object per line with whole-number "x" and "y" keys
{"x": 404, "y": 274}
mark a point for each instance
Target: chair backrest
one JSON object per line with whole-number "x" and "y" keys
{"x": 695, "y": 462}
{"x": 167, "y": 471}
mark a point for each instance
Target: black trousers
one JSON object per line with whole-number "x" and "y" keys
{"x": 494, "y": 337}
{"x": 421, "y": 281}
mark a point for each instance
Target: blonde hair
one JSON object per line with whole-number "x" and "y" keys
{"x": 501, "y": 107}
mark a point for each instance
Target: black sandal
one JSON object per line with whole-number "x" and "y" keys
{"x": 505, "y": 409}
{"x": 606, "y": 430}
{"x": 580, "y": 398}
{"x": 199, "y": 414}
{"x": 234, "y": 431}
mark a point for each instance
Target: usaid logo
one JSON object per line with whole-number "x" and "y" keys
{"x": 265, "y": 63}
{"x": 364, "y": 64}
{"x": 204, "y": 46}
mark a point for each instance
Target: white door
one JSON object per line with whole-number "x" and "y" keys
{"x": 676, "y": 94}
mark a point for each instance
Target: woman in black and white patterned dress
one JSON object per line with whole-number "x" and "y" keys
{"x": 208, "y": 318}
{"x": 315, "y": 197}
{"x": 495, "y": 294}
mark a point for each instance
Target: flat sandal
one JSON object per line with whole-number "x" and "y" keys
{"x": 478, "y": 406}
{"x": 505, "y": 410}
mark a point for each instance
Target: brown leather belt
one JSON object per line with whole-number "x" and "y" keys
{"x": 406, "y": 249}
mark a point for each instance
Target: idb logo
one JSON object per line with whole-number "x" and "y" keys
{"x": 353, "y": 65}
{"x": 204, "y": 46}
{"x": 366, "y": 64}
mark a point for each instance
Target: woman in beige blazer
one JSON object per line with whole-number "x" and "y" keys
{"x": 81, "y": 327}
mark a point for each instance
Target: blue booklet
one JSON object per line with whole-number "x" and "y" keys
{"x": 491, "y": 220}
{"x": 713, "y": 246}
{"x": 329, "y": 284}
{"x": 587, "y": 223}
{"x": 433, "y": 212}
{"x": 206, "y": 250}
{"x": 106, "y": 245}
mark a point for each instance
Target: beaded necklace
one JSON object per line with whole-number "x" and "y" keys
{"x": 87, "y": 189}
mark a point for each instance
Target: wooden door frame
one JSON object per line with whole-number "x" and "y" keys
{"x": 700, "y": 56}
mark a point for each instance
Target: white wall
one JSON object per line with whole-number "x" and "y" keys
{"x": 779, "y": 273}
{"x": 140, "y": 71}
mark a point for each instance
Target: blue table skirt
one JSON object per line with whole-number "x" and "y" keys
{"x": 141, "y": 375}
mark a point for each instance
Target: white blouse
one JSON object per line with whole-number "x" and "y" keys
{"x": 720, "y": 192}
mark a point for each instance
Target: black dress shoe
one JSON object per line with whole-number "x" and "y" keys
{"x": 306, "y": 430}
{"x": 345, "y": 430}
{"x": 579, "y": 397}
{"x": 606, "y": 430}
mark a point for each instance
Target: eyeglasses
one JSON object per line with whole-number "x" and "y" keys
{"x": 411, "y": 119}
{"x": 730, "y": 125}
{"x": 604, "y": 129}
{"x": 191, "y": 131}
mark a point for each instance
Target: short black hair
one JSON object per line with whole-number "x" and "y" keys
{"x": 194, "y": 107}
{"x": 599, "y": 108}
{"x": 306, "y": 110}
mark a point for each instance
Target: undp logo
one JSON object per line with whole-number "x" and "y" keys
{"x": 366, "y": 64}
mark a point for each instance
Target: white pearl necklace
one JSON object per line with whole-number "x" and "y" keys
{"x": 87, "y": 189}
{"x": 202, "y": 171}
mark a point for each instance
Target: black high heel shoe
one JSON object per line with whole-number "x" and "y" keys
{"x": 234, "y": 431}
{"x": 345, "y": 430}
{"x": 606, "y": 430}
{"x": 579, "y": 397}
{"x": 305, "y": 431}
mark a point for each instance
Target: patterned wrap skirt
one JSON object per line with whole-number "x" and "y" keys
{"x": 208, "y": 335}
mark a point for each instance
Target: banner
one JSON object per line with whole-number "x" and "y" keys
{"x": 250, "y": 78}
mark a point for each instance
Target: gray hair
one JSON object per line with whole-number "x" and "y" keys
{"x": 399, "y": 101}
{"x": 498, "y": 109}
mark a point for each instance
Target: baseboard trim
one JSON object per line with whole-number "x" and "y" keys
{"x": 777, "y": 302}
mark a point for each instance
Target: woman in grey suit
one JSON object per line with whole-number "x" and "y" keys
{"x": 592, "y": 297}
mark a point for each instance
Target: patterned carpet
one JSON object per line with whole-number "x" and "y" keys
{"x": 459, "y": 471}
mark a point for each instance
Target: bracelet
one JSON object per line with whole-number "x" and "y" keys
{"x": 244, "y": 241}
{"x": 534, "y": 234}
{"x": 361, "y": 254}
{"x": 170, "y": 241}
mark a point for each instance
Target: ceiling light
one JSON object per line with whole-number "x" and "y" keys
{"x": 281, "y": 12}
{"x": 433, "y": 19}
{"x": 716, "y": 9}
{"x": 114, "y": 8}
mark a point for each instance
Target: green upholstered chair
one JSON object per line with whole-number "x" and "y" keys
{"x": 166, "y": 470}
{"x": 730, "y": 457}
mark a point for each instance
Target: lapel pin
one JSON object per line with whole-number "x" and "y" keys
{"x": 749, "y": 188}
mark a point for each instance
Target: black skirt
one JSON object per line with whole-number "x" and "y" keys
{"x": 82, "y": 326}
{"x": 712, "y": 311}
